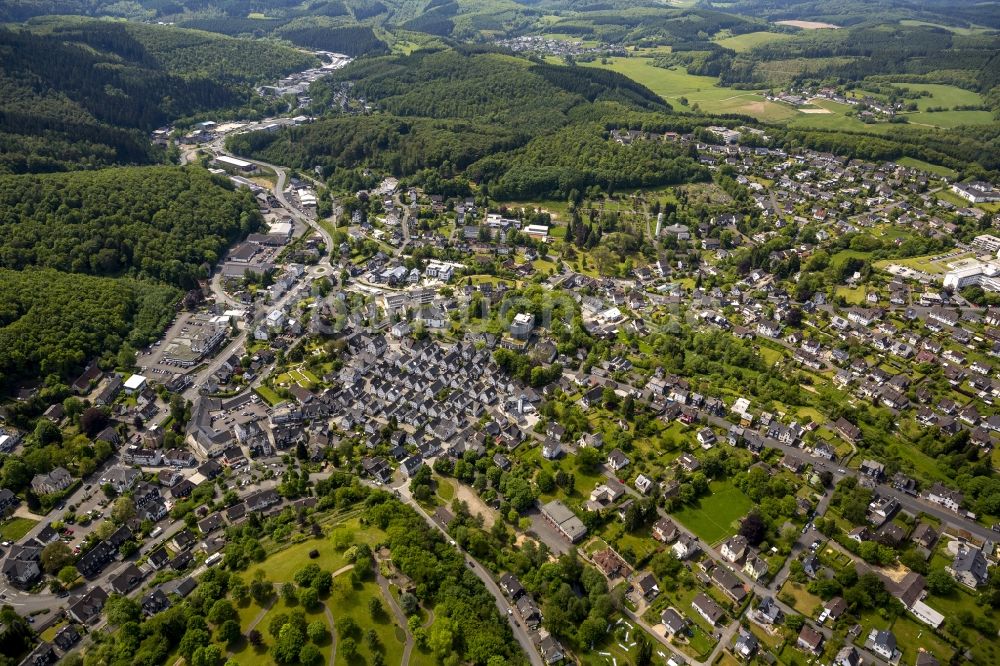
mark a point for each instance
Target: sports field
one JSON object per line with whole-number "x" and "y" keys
{"x": 713, "y": 517}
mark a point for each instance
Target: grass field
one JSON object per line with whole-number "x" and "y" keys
{"x": 268, "y": 395}
{"x": 853, "y": 295}
{"x": 948, "y": 119}
{"x": 347, "y": 601}
{"x": 942, "y": 95}
{"x": 934, "y": 169}
{"x": 672, "y": 84}
{"x": 805, "y": 602}
{"x": 741, "y": 43}
{"x": 916, "y": 263}
{"x": 712, "y": 517}
{"x": 281, "y": 566}
{"x": 15, "y": 528}
{"x": 952, "y": 198}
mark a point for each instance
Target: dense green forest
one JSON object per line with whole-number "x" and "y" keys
{"x": 960, "y": 13}
{"x": 53, "y": 323}
{"x": 914, "y": 52}
{"x": 76, "y": 92}
{"x": 352, "y": 40}
{"x": 651, "y": 27}
{"x": 581, "y": 156}
{"x": 399, "y": 145}
{"x": 143, "y": 233}
{"x": 487, "y": 86}
{"x": 454, "y": 107}
{"x": 165, "y": 223}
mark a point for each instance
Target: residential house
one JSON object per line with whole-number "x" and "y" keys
{"x": 511, "y": 586}
{"x": 946, "y": 497}
{"x": 710, "y": 611}
{"x": 647, "y": 586}
{"x": 755, "y": 567}
{"x": 847, "y": 656}
{"x": 66, "y": 637}
{"x": 617, "y": 460}
{"x": 767, "y": 612}
{"x": 873, "y": 470}
{"x": 746, "y": 645}
{"x": 126, "y": 580}
{"x": 673, "y": 623}
{"x": 734, "y": 548}
{"x": 549, "y": 648}
{"x": 685, "y": 547}
{"x": 969, "y": 567}
{"x": 87, "y": 608}
{"x": 883, "y": 643}
{"x": 155, "y": 602}
{"x": 55, "y": 481}
{"x": 809, "y": 640}
{"x": 729, "y": 583}
{"x": 664, "y": 530}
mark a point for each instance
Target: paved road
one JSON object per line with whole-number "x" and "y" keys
{"x": 400, "y": 617}
{"x": 520, "y": 633}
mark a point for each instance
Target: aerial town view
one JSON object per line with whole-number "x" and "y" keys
{"x": 497, "y": 333}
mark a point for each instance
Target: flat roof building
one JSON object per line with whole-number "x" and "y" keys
{"x": 564, "y": 520}
{"x": 234, "y": 165}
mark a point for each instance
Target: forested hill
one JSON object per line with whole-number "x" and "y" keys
{"x": 525, "y": 128}
{"x": 856, "y": 12}
{"x": 76, "y": 92}
{"x": 450, "y": 106}
{"x": 53, "y": 323}
{"x": 487, "y": 86}
{"x": 165, "y": 223}
{"x": 140, "y": 234}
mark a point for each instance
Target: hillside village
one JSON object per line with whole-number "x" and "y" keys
{"x": 624, "y": 411}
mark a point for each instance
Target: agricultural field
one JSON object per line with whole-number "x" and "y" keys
{"x": 747, "y": 41}
{"x": 712, "y": 518}
{"x": 672, "y": 84}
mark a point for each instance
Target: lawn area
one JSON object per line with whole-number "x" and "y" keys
{"x": 805, "y": 602}
{"x": 745, "y": 42}
{"x": 244, "y": 650}
{"x": 916, "y": 263}
{"x": 269, "y": 396}
{"x": 712, "y": 518}
{"x": 952, "y": 198}
{"x": 853, "y": 295}
{"x": 935, "y": 169}
{"x": 770, "y": 356}
{"x": 640, "y": 544}
{"x": 950, "y": 605}
{"x": 672, "y": 84}
{"x": 559, "y": 210}
{"x": 620, "y": 647}
{"x": 942, "y": 95}
{"x": 15, "y": 528}
{"x": 912, "y": 635}
{"x": 281, "y": 565}
{"x": 949, "y": 119}
{"x": 445, "y": 488}
{"x": 849, "y": 254}
{"x": 699, "y": 642}
{"x": 347, "y": 601}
